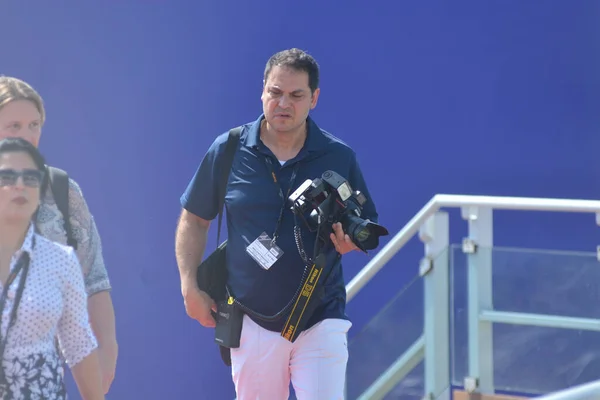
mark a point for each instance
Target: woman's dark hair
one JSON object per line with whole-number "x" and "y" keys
{"x": 16, "y": 145}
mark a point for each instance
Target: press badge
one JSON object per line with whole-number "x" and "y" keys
{"x": 264, "y": 251}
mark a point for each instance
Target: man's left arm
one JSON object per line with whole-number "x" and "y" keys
{"x": 97, "y": 284}
{"x": 102, "y": 319}
{"x": 342, "y": 242}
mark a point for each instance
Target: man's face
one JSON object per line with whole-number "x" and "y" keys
{"x": 20, "y": 118}
{"x": 287, "y": 99}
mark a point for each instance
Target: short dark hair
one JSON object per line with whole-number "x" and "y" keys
{"x": 298, "y": 60}
{"x": 15, "y": 145}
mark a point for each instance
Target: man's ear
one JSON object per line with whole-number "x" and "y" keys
{"x": 315, "y": 98}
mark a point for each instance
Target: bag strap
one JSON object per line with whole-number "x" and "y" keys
{"x": 230, "y": 149}
{"x": 22, "y": 267}
{"x": 59, "y": 183}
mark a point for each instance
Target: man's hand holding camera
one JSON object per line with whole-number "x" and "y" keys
{"x": 331, "y": 198}
{"x": 342, "y": 242}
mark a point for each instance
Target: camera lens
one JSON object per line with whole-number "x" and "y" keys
{"x": 361, "y": 234}
{"x": 365, "y": 234}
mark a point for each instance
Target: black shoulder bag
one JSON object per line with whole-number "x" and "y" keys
{"x": 212, "y": 272}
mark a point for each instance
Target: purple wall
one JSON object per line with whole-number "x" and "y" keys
{"x": 471, "y": 97}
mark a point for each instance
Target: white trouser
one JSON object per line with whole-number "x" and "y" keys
{"x": 316, "y": 362}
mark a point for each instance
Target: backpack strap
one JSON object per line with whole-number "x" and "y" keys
{"x": 59, "y": 183}
{"x": 230, "y": 149}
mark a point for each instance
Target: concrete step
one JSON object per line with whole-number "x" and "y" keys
{"x": 462, "y": 395}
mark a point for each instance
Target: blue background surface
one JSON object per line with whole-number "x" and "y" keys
{"x": 470, "y": 97}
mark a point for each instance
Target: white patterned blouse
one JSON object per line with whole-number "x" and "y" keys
{"x": 53, "y": 304}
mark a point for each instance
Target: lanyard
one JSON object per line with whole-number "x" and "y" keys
{"x": 269, "y": 163}
{"x": 22, "y": 265}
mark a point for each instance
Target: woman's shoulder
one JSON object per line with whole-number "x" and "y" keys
{"x": 56, "y": 260}
{"x": 52, "y": 249}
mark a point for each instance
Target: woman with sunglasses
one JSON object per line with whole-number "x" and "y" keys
{"x": 22, "y": 115}
{"x": 42, "y": 293}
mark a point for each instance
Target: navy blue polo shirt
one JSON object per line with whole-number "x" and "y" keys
{"x": 253, "y": 204}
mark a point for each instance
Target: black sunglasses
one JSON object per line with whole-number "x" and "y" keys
{"x": 31, "y": 177}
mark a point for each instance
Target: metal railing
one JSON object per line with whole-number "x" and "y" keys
{"x": 588, "y": 391}
{"x": 433, "y": 346}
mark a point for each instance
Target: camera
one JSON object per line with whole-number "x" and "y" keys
{"x": 331, "y": 199}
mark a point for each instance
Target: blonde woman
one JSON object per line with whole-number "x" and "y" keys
{"x": 22, "y": 115}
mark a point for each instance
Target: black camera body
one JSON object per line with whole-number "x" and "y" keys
{"x": 331, "y": 199}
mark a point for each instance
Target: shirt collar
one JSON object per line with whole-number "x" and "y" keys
{"x": 27, "y": 245}
{"x": 315, "y": 139}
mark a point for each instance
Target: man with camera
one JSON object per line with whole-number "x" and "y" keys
{"x": 295, "y": 202}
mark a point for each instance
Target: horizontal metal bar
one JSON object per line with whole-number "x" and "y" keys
{"x": 586, "y": 391}
{"x": 389, "y": 250}
{"x": 517, "y": 203}
{"x": 451, "y": 200}
{"x": 396, "y": 372}
{"x": 548, "y": 321}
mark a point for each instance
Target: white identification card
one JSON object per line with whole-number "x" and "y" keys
{"x": 264, "y": 251}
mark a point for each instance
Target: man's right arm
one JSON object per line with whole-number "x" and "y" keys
{"x": 200, "y": 205}
{"x": 190, "y": 243}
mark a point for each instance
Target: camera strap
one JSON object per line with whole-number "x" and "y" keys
{"x": 304, "y": 307}
{"x": 311, "y": 291}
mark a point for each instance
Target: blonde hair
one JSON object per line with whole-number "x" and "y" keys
{"x": 13, "y": 89}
